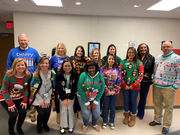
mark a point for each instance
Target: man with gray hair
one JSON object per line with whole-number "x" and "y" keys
{"x": 166, "y": 82}
{"x": 30, "y": 55}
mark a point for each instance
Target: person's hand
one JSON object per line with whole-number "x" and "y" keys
{"x": 130, "y": 87}
{"x": 12, "y": 109}
{"x": 46, "y": 105}
{"x": 69, "y": 102}
{"x": 88, "y": 107}
{"x": 65, "y": 103}
{"x": 127, "y": 88}
{"x": 42, "y": 105}
{"x": 112, "y": 93}
{"x": 23, "y": 106}
{"x": 93, "y": 106}
{"x": 108, "y": 93}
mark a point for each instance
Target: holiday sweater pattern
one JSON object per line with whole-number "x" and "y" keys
{"x": 56, "y": 62}
{"x": 30, "y": 55}
{"x": 167, "y": 71}
{"x": 131, "y": 75}
{"x": 112, "y": 79}
{"x": 14, "y": 88}
{"x": 90, "y": 89}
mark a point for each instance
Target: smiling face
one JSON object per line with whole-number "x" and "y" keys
{"x": 60, "y": 50}
{"x": 20, "y": 67}
{"x": 67, "y": 67}
{"x": 143, "y": 49}
{"x": 111, "y": 61}
{"x": 44, "y": 66}
{"x": 92, "y": 70}
{"x": 131, "y": 54}
{"x": 96, "y": 54}
{"x": 23, "y": 41}
{"x": 166, "y": 47}
{"x": 112, "y": 50}
{"x": 79, "y": 52}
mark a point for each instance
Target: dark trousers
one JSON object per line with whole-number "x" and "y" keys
{"x": 57, "y": 103}
{"x": 142, "y": 102}
{"x": 76, "y": 105}
{"x": 43, "y": 115}
{"x": 19, "y": 112}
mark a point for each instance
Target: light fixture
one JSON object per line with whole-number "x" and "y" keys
{"x": 55, "y": 3}
{"x": 165, "y": 5}
{"x": 136, "y": 5}
{"x": 16, "y": 0}
{"x": 78, "y": 3}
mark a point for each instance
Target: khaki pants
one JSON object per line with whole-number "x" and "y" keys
{"x": 32, "y": 111}
{"x": 165, "y": 95}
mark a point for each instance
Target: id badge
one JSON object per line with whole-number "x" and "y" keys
{"x": 67, "y": 90}
{"x": 46, "y": 95}
{"x": 91, "y": 98}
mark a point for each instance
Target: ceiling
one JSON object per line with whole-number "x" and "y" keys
{"x": 88, "y": 7}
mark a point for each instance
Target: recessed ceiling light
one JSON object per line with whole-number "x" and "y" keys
{"x": 165, "y": 5}
{"x": 78, "y": 3}
{"x": 137, "y": 5}
{"x": 16, "y": 0}
{"x": 55, "y": 3}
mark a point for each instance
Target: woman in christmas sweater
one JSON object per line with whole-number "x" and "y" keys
{"x": 90, "y": 89}
{"x": 66, "y": 87}
{"x": 14, "y": 94}
{"x": 96, "y": 56}
{"x": 78, "y": 60}
{"x": 132, "y": 74}
{"x": 55, "y": 64}
{"x": 112, "y": 77}
{"x": 42, "y": 89}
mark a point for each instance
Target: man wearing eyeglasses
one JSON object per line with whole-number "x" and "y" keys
{"x": 166, "y": 82}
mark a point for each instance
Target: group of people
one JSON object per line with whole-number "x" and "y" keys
{"x": 85, "y": 85}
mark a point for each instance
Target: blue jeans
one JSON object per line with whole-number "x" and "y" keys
{"x": 130, "y": 100}
{"x": 142, "y": 102}
{"x": 86, "y": 113}
{"x": 109, "y": 103}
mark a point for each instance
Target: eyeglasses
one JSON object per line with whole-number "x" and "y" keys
{"x": 166, "y": 41}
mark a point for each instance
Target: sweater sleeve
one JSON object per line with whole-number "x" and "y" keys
{"x": 140, "y": 76}
{"x": 9, "y": 61}
{"x": 51, "y": 62}
{"x": 5, "y": 91}
{"x": 80, "y": 89}
{"x": 106, "y": 90}
{"x": 123, "y": 83}
{"x": 176, "y": 85}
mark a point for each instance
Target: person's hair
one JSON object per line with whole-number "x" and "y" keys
{"x": 111, "y": 45}
{"x": 115, "y": 65}
{"x": 22, "y": 35}
{"x": 91, "y": 63}
{"x": 167, "y": 41}
{"x": 82, "y": 48}
{"x": 13, "y": 70}
{"x": 37, "y": 71}
{"x": 135, "y": 57}
{"x": 63, "y": 46}
{"x": 138, "y": 51}
{"x": 99, "y": 58}
{"x": 61, "y": 71}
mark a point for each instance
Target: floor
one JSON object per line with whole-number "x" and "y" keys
{"x": 141, "y": 127}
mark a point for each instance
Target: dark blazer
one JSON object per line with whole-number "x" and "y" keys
{"x": 148, "y": 63}
{"x": 61, "y": 83}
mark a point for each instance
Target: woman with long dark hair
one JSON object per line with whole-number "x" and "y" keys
{"x": 66, "y": 87}
{"x": 132, "y": 74}
{"x": 148, "y": 62}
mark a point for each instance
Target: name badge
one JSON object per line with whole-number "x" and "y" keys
{"x": 46, "y": 95}
{"x": 91, "y": 98}
{"x": 67, "y": 90}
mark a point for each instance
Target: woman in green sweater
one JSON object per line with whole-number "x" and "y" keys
{"x": 91, "y": 86}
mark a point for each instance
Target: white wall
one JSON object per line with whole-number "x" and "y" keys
{"x": 45, "y": 31}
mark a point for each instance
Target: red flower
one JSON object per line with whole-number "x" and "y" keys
{"x": 78, "y": 71}
{"x": 100, "y": 81}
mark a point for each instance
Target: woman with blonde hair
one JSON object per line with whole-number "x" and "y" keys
{"x": 14, "y": 94}
{"x": 42, "y": 89}
{"x": 55, "y": 64}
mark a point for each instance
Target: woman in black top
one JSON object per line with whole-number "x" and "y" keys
{"x": 148, "y": 62}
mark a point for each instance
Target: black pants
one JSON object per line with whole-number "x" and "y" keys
{"x": 57, "y": 103}
{"x": 19, "y": 112}
{"x": 76, "y": 105}
{"x": 43, "y": 115}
